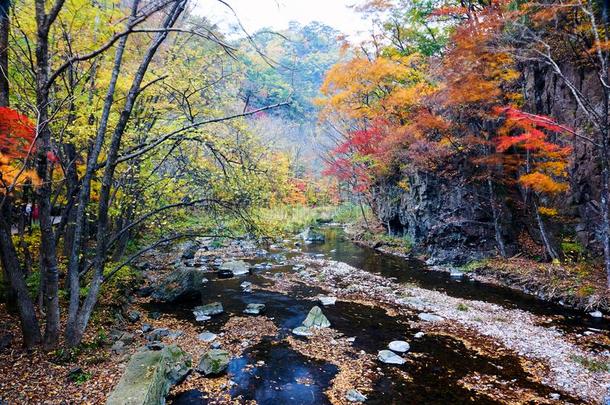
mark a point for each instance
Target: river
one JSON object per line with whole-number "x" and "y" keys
{"x": 438, "y": 362}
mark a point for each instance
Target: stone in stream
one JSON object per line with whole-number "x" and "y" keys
{"x": 355, "y": 396}
{"x": 328, "y": 300}
{"x": 214, "y": 362}
{"x": 419, "y": 335}
{"x": 430, "y": 317}
{"x": 389, "y": 357}
{"x": 180, "y": 284}
{"x": 149, "y": 375}
{"x": 246, "y": 286}
{"x": 238, "y": 267}
{"x": 596, "y": 314}
{"x": 399, "y": 346}
{"x": 189, "y": 250}
{"x": 302, "y": 331}
{"x": 204, "y": 312}
{"x": 316, "y": 319}
{"x": 254, "y": 309}
{"x": 207, "y": 337}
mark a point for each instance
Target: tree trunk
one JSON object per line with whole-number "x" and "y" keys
{"x": 496, "y": 218}
{"x": 4, "y": 31}
{"x": 10, "y": 263}
{"x": 76, "y": 332}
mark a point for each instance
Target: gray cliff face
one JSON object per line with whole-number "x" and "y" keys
{"x": 449, "y": 217}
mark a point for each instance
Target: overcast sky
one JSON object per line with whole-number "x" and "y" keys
{"x": 255, "y": 14}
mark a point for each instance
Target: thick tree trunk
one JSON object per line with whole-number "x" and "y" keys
{"x": 10, "y": 263}
{"x": 50, "y": 271}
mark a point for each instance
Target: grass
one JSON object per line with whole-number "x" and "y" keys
{"x": 286, "y": 220}
{"x": 591, "y": 364}
{"x": 462, "y": 307}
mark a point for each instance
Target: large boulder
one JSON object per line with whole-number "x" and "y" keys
{"x": 316, "y": 319}
{"x": 237, "y": 267}
{"x": 183, "y": 283}
{"x": 189, "y": 249}
{"x": 149, "y": 376}
{"x": 214, "y": 362}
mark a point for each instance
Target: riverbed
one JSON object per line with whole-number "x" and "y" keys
{"x": 464, "y": 359}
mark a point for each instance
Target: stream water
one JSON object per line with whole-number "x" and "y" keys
{"x": 439, "y": 361}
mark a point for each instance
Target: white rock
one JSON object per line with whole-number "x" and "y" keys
{"x": 389, "y": 357}
{"x": 430, "y": 317}
{"x": 554, "y": 395}
{"x": 355, "y": 396}
{"x": 207, "y": 336}
{"x": 328, "y": 300}
{"x": 399, "y": 346}
{"x": 419, "y": 335}
{"x": 596, "y": 314}
{"x": 302, "y": 331}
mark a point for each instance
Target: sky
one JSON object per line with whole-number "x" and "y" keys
{"x": 256, "y": 14}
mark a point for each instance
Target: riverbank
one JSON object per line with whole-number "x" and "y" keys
{"x": 581, "y": 286}
{"x": 548, "y": 354}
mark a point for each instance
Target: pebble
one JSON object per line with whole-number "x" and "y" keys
{"x": 399, "y": 346}
{"x": 419, "y": 335}
{"x": 355, "y": 396}
{"x": 596, "y": 314}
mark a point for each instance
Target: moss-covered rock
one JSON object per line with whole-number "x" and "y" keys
{"x": 149, "y": 376}
{"x": 214, "y": 362}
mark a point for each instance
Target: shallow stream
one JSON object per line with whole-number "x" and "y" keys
{"x": 439, "y": 361}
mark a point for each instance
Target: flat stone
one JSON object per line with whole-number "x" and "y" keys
{"x": 254, "y": 309}
{"x": 316, "y": 319}
{"x": 430, "y": 317}
{"x": 214, "y": 362}
{"x": 399, "y": 346}
{"x": 389, "y": 357}
{"x": 596, "y": 314}
{"x": 207, "y": 336}
{"x": 157, "y": 334}
{"x": 302, "y": 331}
{"x": 213, "y": 308}
{"x": 355, "y": 396}
{"x": 246, "y": 286}
{"x": 149, "y": 375}
{"x": 328, "y": 300}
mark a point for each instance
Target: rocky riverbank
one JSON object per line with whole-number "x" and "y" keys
{"x": 548, "y": 354}
{"x": 580, "y": 286}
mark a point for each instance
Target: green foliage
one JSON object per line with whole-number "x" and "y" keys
{"x": 591, "y": 364}
{"x": 473, "y": 265}
{"x": 573, "y": 251}
{"x": 349, "y": 213}
{"x": 462, "y": 307}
